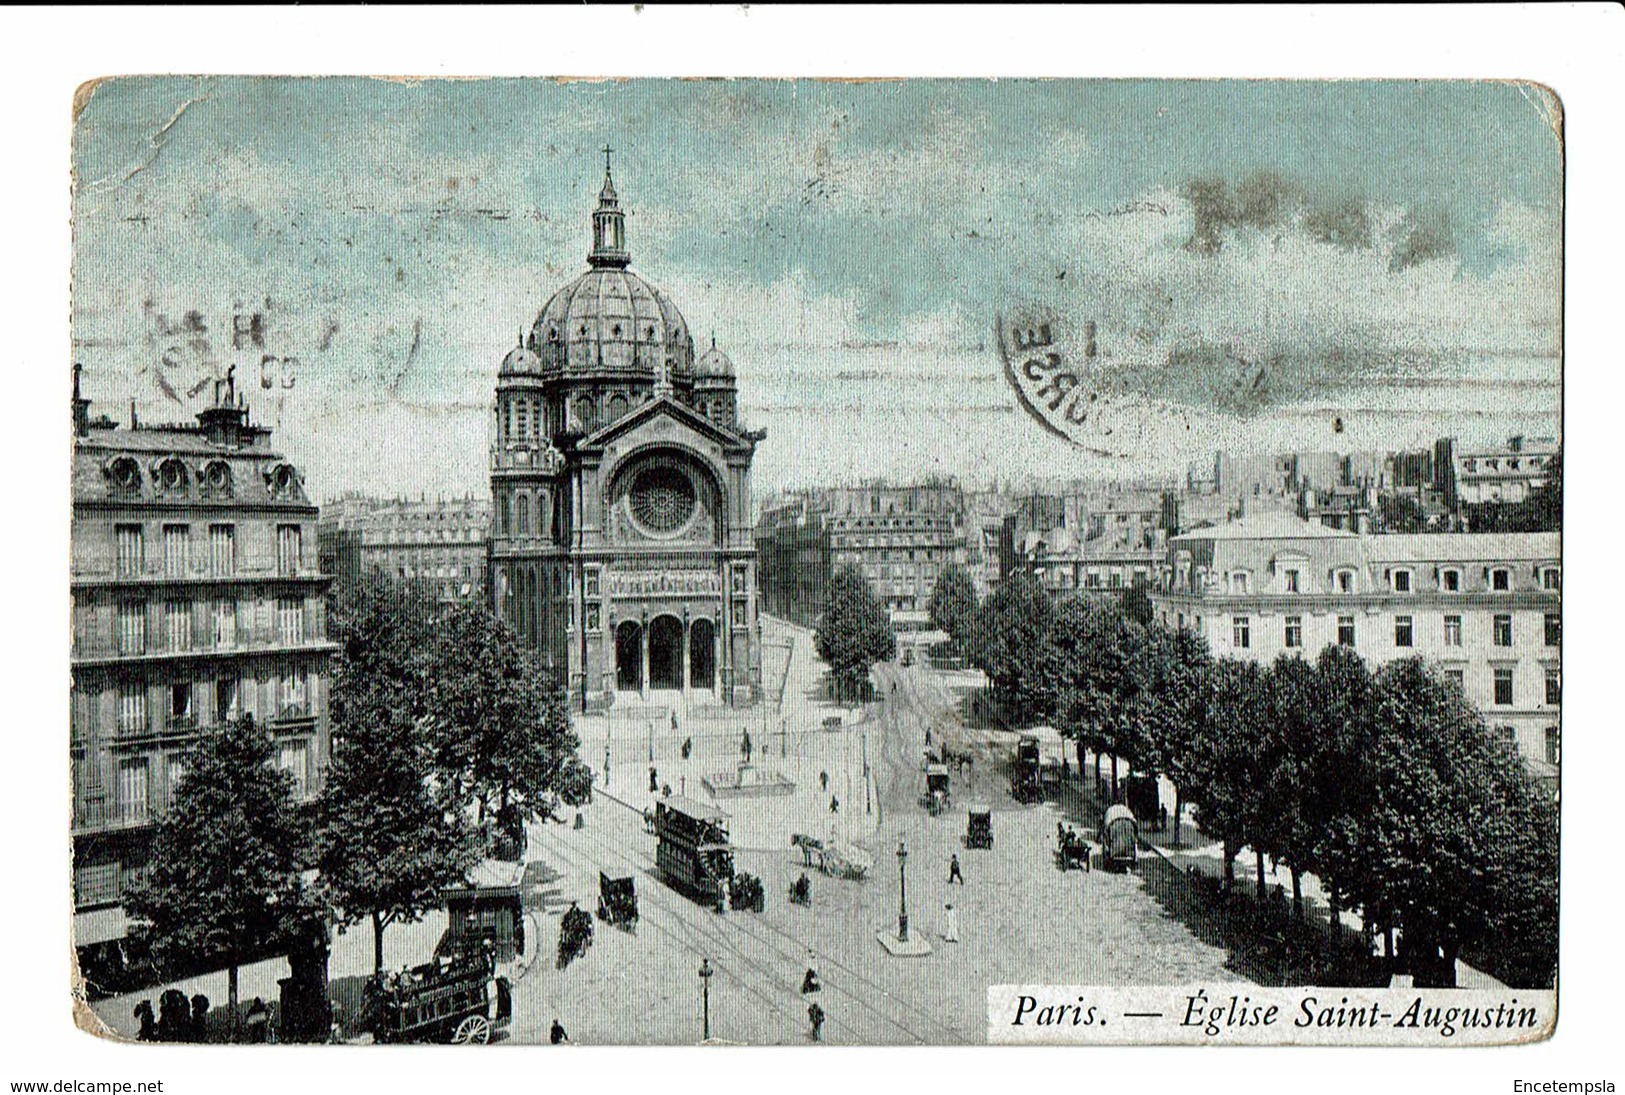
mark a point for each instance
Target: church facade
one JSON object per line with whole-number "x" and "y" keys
{"x": 621, "y": 540}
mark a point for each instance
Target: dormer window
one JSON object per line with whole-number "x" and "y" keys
{"x": 1500, "y": 579}
{"x": 1402, "y": 581}
{"x": 1291, "y": 580}
{"x": 1238, "y": 583}
{"x": 1345, "y": 581}
{"x": 1551, "y": 578}
{"x": 217, "y": 477}
{"x": 172, "y": 476}
{"x": 125, "y": 474}
{"x": 1450, "y": 580}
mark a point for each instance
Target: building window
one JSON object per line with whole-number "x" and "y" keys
{"x": 132, "y": 789}
{"x": 222, "y": 551}
{"x": 225, "y": 624}
{"x": 591, "y": 582}
{"x": 1503, "y": 629}
{"x": 1450, "y": 581}
{"x": 524, "y": 514}
{"x": 1294, "y": 631}
{"x": 132, "y": 709}
{"x": 177, "y": 550}
{"x": 132, "y": 628}
{"x": 1551, "y": 578}
{"x": 1291, "y": 582}
{"x": 180, "y": 705}
{"x": 1345, "y": 630}
{"x": 1456, "y": 677}
{"x": 1554, "y": 746}
{"x": 130, "y": 551}
{"x": 292, "y": 695}
{"x": 290, "y": 620}
{"x": 177, "y": 625}
{"x": 293, "y": 757}
{"x": 1238, "y": 584}
{"x": 1402, "y": 631}
{"x": 95, "y": 885}
{"x": 1554, "y": 629}
{"x": 739, "y": 614}
{"x": 175, "y": 772}
{"x": 289, "y": 550}
{"x": 1452, "y": 631}
{"x": 1345, "y": 581}
{"x": 225, "y": 699}
{"x": 1240, "y": 632}
{"x": 1402, "y": 581}
{"x": 1509, "y": 736}
{"x": 1503, "y": 686}
{"x": 1554, "y": 688}
{"x": 1500, "y": 579}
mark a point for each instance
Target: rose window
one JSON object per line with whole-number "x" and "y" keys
{"x": 662, "y": 499}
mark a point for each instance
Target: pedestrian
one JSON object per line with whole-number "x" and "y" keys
{"x": 654, "y": 780}
{"x": 674, "y": 721}
{"x": 744, "y": 746}
{"x": 688, "y": 747}
{"x": 200, "y": 1018}
{"x": 953, "y": 871}
{"x": 810, "y": 982}
{"x": 606, "y": 764}
{"x": 950, "y": 930}
{"x": 259, "y": 1019}
{"x": 815, "y": 1016}
{"x": 557, "y": 1035}
{"x": 1162, "y": 817}
{"x": 149, "y": 1026}
{"x": 823, "y": 781}
{"x": 834, "y": 805}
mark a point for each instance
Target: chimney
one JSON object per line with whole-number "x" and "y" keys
{"x": 81, "y": 406}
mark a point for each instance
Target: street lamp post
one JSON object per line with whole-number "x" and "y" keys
{"x": 705, "y": 990}
{"x": 902, "y": 894}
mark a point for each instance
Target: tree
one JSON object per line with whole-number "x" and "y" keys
{"x": 503, "y": 731}
{"x": 1137, "y": 606}
{"x": 1175, "y": 704}
{"x": 1458, "y": 826}
{"x": 391, "y": 835}
{"x": 1292, "y": 819}
{"x": 854, "y": 631}
{"x": 1089, "y": 671}
{"x": 953, "y": 605}
{"x": 1004, "y": 643}
{"x": 226, "y": 856}
{"x": 1222, "y": 759}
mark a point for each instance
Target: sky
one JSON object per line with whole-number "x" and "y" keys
{"x": 1390, "y": 251}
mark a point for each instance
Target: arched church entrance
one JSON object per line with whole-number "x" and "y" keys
{"x": 702, "y": 658}
{"x": 666, "y": 652}
{"x": 629, "y": 656}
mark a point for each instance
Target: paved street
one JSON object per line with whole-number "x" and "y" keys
{"x": 1019, "y": 917}
{"x": 1018, "y": 913}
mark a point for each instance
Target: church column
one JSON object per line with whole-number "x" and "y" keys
{"x": 643, "y": 643}
{"x": 687, "y": 670}
{"x": 716, "y": 662}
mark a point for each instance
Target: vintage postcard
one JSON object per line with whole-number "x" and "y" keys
{"x": 792, "y": 562}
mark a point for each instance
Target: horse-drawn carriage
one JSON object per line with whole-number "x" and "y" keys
{"x": 1119, "y": 838}
{"x": 617, "y": 900}
{"x": 979, "y": 827}
{"x": 693, "y": 855}
{"x": 935, "y": 796}
{"x": 1071, "y": 850}
{"x": 832, "y": 857}
{"x": 1025, "y": 776}
{"x": 456, "y": 999}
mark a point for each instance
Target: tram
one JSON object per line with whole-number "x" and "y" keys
{"x": 693, "y": 855}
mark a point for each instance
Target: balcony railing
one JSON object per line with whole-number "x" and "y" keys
{"x": 101, "y": 814}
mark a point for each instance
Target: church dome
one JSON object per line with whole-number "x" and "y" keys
{"x": 521, "y": 362}
{"x": 610, "y": 318}
{"x": 714, "y": 364}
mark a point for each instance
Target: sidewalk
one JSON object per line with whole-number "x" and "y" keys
{"x": 787, "y": 737}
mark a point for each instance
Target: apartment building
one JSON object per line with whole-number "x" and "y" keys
{"x": 196, "y": 599}
{"x": 1485, "y": 608}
